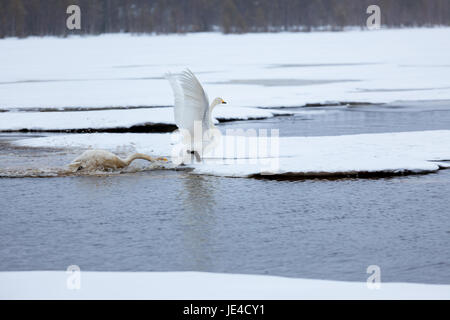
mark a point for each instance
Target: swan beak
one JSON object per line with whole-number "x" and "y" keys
{"x": 162, "y": 159}
{"x": 224, "y": 102}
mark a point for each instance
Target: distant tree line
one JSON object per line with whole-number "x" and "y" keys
{"x": 20, "y": 18}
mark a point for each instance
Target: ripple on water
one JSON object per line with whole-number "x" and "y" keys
{"x": 162, "y": 220}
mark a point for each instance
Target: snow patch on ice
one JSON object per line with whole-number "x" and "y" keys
{"x": 200, "y": 285}
{"x": 113, "y": 119}
{"x": 123, "y": 70}
{"x": 395, "y": 153}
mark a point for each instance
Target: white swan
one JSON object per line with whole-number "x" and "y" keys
{"x": 105, "y": 160}
{"x": 191, "y": 109}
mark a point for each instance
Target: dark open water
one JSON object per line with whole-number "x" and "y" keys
{"x": 173, "y": 221}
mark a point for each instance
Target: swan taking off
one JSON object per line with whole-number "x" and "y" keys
{"x": 105, "y": 160}
{"x": 192, "y": 110}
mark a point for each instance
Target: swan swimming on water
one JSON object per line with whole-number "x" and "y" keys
{"x": 192, "y": 108}
{"x": 105, "y": 160}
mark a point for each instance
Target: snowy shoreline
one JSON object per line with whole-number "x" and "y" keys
{"x": 200, "y": 285}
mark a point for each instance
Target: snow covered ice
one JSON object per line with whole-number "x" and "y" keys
{"x": 113, "y": 119}
{"x": 116, "y": 82}
{"x": 201, "y": 285}
{"x": 125, "y": 70}
{"x": 404, "y": 152}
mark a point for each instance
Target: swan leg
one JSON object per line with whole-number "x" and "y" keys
{"x": 196, "y": 154}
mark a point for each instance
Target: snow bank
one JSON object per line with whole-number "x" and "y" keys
{"x": 111, "y": 119}
{"x": 200, "y": 285}
{"x": 125, "y": 70}
{"x": 393, "y": 153}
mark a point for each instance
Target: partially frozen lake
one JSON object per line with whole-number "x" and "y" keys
{"x": 352, "y": 101}
{"x": 174, "y": 221}
{"x": 282, "y": 69}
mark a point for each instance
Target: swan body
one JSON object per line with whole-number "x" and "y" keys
{"x": 193, "y": 110}
{"x": 105, "y": 160}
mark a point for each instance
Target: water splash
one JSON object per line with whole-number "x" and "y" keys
{"x": 53, "y": 172}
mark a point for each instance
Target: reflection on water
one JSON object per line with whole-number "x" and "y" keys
{"x": 172, "y": 221}
{"x": 198, "y": 196}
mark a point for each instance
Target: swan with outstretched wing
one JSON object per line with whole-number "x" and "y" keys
{"x": 192, "y": 110}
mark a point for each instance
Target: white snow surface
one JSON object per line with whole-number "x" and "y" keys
{"x": 269, "y": 69}
{"x": 383, "y": 152}
{"x": 200, "y": 285}
{"x": 110, "y": 119}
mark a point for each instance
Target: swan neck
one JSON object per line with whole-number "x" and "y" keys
{"x": 137, "y": 156}
{"x": 213, "y": 104}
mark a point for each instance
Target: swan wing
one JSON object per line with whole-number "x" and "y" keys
{"x": 178, "y": 97}
{"x": 191, "y": 101}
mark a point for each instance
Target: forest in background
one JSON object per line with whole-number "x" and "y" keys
{"x": 21, "y": 18}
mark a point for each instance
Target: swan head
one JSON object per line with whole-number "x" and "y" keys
{"x": 217, "y": 101}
